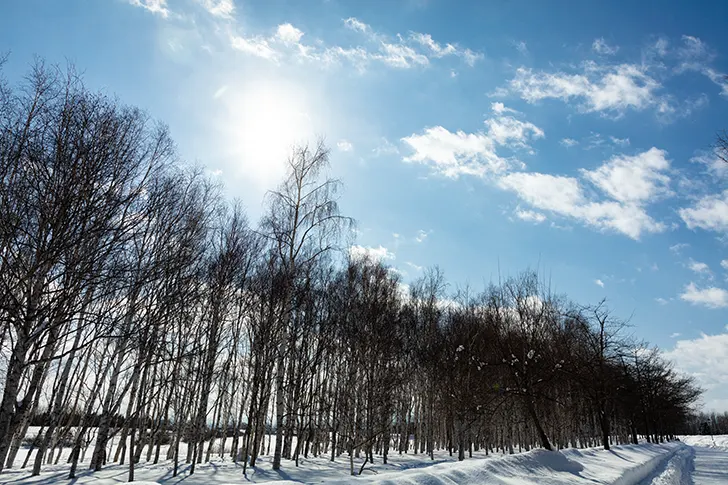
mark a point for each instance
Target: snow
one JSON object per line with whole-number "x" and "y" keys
{"x": 711, "y": 459}
{"x": 623, "y": 465}
{"x": 717, "y": 441}
{"x": 676, "y": 471}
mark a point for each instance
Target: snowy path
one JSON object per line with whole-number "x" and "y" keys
{"x": 711, "y": 466}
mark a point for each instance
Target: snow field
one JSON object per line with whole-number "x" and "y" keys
{"x": 716, "y": 441}
{"x": 622, "y": 465}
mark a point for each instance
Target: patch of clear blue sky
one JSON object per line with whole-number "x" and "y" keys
{"x": 474, "y": 236}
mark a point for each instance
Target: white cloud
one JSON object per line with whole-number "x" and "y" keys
{"x": 508, "y": 131}
{"x": 622, "y": 212}
{"x": 530, "y": 216}
{"x": 599, "y": 282}
{"x": 287, "y": 42}
{"x": 599, "y": 88}
{"x": 600, "y": 46}
{"x": 455, "y": 154}
{"x": 521, "y": 47}
{"x": 399, "y": 55}
{"x": 596, "y": 140}
{"x": 709, "y": 213}
{"x": 622, "y": 142}
{"x": 548, "y": 192}
{"x": 436, "y": 49}
{"x": 711, "y": 297}
{"x": 695, "y": 56}
{"x": 675, "y": 335}
{"x": 706, "y": 359}
{"x": 288, "y": 34}
{"x": 414, "y": 50}
{"x": 422, "y": 235}
{"x": 219, "y": 8}
{"x": 379, "y": 253}
{"x": 661, "y": 301}
{"x": 633, "y": 179}
{"x": 569, "y": 142}
{"x": 385, "y": 147}
{"x": 355, "y": 24}
{"x": 256, "y": 46}
{"x": 344, "y": 145}
{"x": 499, "y": 108}
{"x": 724, "y": 264}
{"x": 714, "y": 164}
{"x": 698, "y": 267}
{"x": 414, "y": 266}
{"x": 154, "y": 6}
{"x": 677, "y": 248}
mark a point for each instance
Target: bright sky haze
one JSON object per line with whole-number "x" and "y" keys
{"x": 574, "y": 138}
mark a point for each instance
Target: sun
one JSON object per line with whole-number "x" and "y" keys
{"x": 265, "y": 119}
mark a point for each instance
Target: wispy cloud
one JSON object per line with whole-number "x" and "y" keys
{"x": 414, "y": 266}
{"x": 287, "y": 42}
{"x": 597, "y": 88}
{"x": 385, "y": 147}
{"x": 460, "y": 153}
{"x": 600, "y": 46}
{"x": 422, "y": 235}
{"x": 698, "y": 267}
{"x": 711, "y": 297}
{"x": 696, "y": 56}
{"x": 521, "y": 47}
{"x": 599, "y": 282}
{"x": 416, "y": 49}
{"x": 255, "y": 46}
{"x": 530, "y": 216}
{"x": 219, "y": 8}
{"x": 155, "y": 6}
{"x": 344, "y": 145}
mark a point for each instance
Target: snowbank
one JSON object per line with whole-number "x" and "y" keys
{"x": 717, "y": 441}
{"x": 623, "y": 465}
{"x": 677, "y": 470}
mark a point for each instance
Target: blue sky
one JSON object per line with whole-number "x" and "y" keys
{"x": 486, "y": 137}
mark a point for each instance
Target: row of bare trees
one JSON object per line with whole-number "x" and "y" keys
{"x": 143, "y": 318}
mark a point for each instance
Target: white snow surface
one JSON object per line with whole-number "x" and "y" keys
{"x": 710, "y": 466}
{"x": 708, "y": 441}
{"x": 622, "y": 465}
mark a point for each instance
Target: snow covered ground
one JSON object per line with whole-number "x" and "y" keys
{"x": 696, "y": 460}
{"x": 623, "y": 465}
{"x": 717, "y": 441}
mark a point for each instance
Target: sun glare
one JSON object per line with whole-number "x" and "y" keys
{"x": 265, "y": 120}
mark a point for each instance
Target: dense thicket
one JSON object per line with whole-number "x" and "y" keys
{"x": 140, "y": 311}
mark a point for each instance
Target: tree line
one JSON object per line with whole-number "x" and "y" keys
{"x": 704, "y": 423}
{"x": 144, "y": 318}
